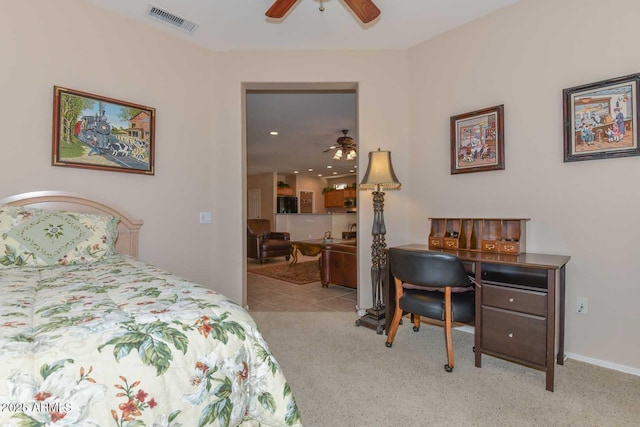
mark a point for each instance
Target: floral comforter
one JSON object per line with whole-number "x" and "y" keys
{"x": 123, "y": 343}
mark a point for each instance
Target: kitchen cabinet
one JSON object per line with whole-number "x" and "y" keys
{"x": 334, "y": 199}
{"x": 286, "y": 191}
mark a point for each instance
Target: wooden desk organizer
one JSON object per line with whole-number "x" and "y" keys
{"x": 500, "y": 235}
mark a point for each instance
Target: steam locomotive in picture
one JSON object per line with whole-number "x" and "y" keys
{"x": 96, "y": 132}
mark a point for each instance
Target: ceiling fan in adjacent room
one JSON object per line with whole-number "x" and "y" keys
{"x": 345, "y": 146}
{"x": 365, "y": 10}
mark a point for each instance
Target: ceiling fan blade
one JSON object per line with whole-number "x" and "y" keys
{"x": 364, "y": 9}
{"x": 279, "y": 8}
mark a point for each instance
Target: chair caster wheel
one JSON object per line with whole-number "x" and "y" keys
{"x": 388, "y": 344}
{"x": 448, "y": 368}
{"x": 416, "y": 328}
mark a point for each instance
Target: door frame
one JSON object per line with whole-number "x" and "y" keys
{"x": 283, "y": 87}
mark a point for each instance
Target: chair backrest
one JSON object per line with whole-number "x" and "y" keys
{"x": 428, "y": 268}
{"x": 258, "y": 227}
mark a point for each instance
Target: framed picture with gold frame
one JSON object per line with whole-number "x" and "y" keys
{"x": 96, "y": 132}
{"x": 601, "y": 119}
{"x": 477, "y": 141}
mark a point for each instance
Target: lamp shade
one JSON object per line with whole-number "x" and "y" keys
{"x": 380, "y": 173}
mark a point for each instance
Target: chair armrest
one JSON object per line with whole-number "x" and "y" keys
{"x": 280, "y": 235}
{"x": 253, "y": 246}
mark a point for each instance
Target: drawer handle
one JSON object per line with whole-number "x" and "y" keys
{"x": 509, "y": 248}
{"x": 490, "y": 246}
{"x": 510, "y": 299}
{"x": 450, "y": 244}
{"x": 510, "y": 334}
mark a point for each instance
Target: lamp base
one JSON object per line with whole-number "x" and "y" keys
{"x": 374, "y": 319}
{"x": 376, "y": 313}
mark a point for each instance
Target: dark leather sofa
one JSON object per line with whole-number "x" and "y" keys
{"x": 262, "y": 243}
{"x": 339, "y": 264}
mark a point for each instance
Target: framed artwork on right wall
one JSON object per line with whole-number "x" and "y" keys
{"x": 477, "y": 141}
{"x": 601, "y": 119}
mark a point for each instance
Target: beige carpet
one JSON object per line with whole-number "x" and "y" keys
{"x": 300, "y": 274}
{"x": 343, "y": 375}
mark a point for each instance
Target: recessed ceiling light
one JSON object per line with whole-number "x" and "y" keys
{"x": 335, "y": 173}
{"x": 319, "y": 174}
{"x": 296, "y": 172}
{"x": 351, "y": 171}
{"x": 310, "y": 169}
{"x": 273, "y": 132}
{"x": 329, "y": 167}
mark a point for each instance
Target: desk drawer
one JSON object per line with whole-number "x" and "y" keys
{"x": 435, "y": 243}
{"x": 450, "y": 243}
{"x": 490, "y": 246}
{"x": 530, "y": 302}
{"x": 520, "y": 336}
{"x": 509, "y": 247}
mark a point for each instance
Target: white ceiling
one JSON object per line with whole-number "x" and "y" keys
{"x": 307, "y": 123}
{"x": 242, "y": 24}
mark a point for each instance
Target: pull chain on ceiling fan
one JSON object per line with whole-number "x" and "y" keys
{"x": 365, "y": 10}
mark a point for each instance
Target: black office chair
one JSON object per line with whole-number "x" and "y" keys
{"x": 434, "y": 285}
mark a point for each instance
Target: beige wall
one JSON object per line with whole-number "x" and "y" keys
{"x": 76, "y": 45}
{"x": 522, "y": 57}
{"x": 383, "y": 119}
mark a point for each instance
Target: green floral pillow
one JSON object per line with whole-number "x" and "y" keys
{"x": 40, "y": 237}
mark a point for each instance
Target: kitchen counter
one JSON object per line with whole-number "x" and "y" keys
{"x": 303, "y": 226}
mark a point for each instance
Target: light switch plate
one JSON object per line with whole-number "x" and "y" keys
{"x": 205, "y": 217}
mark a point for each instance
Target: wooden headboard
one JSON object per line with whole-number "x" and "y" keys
{"x": 127, "y": 243}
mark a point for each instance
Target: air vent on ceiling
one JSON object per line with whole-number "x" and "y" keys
{"x": 171, "y": 19}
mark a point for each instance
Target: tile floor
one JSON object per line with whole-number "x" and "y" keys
{"x": 268, "y": 294}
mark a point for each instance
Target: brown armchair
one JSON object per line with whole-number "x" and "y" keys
{"x": 339, "y": 265}
{"x": 262, "y": 243}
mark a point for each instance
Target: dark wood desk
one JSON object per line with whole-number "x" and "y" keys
{"x": 520, "y": 306}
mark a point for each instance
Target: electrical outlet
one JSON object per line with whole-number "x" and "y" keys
{"x": 582, "y": 305}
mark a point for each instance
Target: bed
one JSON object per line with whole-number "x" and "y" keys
{"x": 92, "y": 336}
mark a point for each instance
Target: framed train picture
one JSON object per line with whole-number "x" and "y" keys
{"x": 96, "y": 132}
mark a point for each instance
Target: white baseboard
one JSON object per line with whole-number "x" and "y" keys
{"x": 604, "y": 364}
{"x": 578, "y": 357}
{"x": 466, "y": 328}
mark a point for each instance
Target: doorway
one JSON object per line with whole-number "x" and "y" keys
{"x": 308, "y": 130}
{"x": 307, "y": 199}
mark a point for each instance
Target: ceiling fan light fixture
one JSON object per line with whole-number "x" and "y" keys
{"x": 365, "y": 10}
{"x": 338, "y": 154}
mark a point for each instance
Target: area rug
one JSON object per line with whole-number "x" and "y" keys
{"x": 299, "y": 274}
